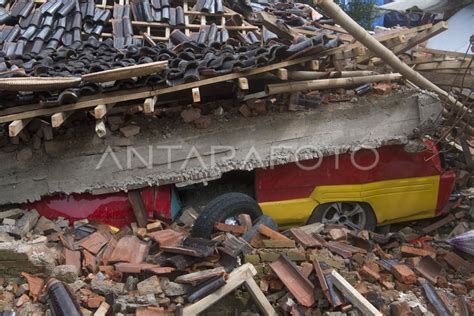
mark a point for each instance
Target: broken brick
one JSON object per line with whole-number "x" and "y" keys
{"x": 458, "y": 263}
{"x": 130, "y": 249}
{"x": 111, "y": 273}
{"x": 305, "y": 239}
{"x": 337, "y": 234}
{"x": 167, "y": 237}
{"x": 94, "y": 301}
{"x": 470, "y": 283}
{"x": 362, "y": 288}
{"x": 22, "y": 300}
{"x": 257, "y": 240}
{"x": 149, "y": 286}
{"x": 89, "y": 262}
{"x": 141, "y": 233}
{"x": 35, "y": 285}
{"x": 235, "y": 229}
{"x": 94, "y": 242}
{"x": 127, "y": 267}
{"x": 459, "y": 289}
{"x": 153, "y": 227}
{"x": 369, "y": 273}
{"x": 412, "y": 251}
{"x": 400, "y": 309}
{"x": 271, "y": 243}
{"x": 403, "y": 273}
{"x": 306, "y": 269}
{"x": 442, "y": 282}
{"x": 73, "y": 258}
{"x": 270, "y": 233}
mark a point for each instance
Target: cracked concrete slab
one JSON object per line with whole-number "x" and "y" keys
{"x": 173, "y": 152}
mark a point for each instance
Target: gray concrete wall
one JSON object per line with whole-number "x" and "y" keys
{"x": 69, "y": 163}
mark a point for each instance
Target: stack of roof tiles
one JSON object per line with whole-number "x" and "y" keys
{"x": 50, "y": 40}
{"x": 53, "y": 24}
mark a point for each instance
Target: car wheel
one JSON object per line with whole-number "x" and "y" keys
{"x": 225, "y": 209}
{"x": 354, "y": 215}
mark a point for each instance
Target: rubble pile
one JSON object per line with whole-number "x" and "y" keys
{"x": 162, "y": 269}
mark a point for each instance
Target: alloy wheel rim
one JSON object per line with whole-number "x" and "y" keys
{"x": 349, "y": 214}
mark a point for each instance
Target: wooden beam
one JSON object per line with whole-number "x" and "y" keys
{"x": 16, "y": 127}
{"x": 449, "y": 64}
{"x": 421, "y": 37}
{"x": 100, "y": 111}
{"x": 125, "y": 72}
{"x": 138, "y": 207}
{"x": 243, "y": 83}
{"x": 273, "y": 25}
{"x": 149, "y": 105}
{"x": 148, "y": 39}
{"x": 196, "y": 95}
{"x": 445, "y": 52}
{"x": 142, "y": 93}
{"x": 412, "y": 42}
{"x": 354, "y": 297}
{"x": 57, "y": 119}
{"x": 258, "y": 297}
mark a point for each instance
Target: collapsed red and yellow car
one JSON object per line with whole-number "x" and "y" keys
{"x": 361, "y": 190}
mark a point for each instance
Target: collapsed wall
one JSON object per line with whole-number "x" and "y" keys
{"x": 170, "y": 152}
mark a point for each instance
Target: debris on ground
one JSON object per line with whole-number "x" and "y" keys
{"x": 95, "y": 268}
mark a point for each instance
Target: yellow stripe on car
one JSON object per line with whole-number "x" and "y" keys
{"x": 392, "y": 200}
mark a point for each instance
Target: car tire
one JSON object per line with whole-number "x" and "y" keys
{"x": 224, "y": 206}
{"x": 370, "y": 219}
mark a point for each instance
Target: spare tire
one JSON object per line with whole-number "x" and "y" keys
{"x": 222, "y": 207}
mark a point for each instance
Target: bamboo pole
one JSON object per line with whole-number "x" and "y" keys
{"x": 297, "y": 86}
{"x": 361, "y": 35}
{"x": 312, "y": 75}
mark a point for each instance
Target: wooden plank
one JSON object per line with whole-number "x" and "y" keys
{"x": 422, "y": 37}
{"x": 57, "y": 119}
{"x": 142, "y": 93}
{"x": 449, "y": 80}
{"x": 138, "y": 207}
{"x": 427, "y": 60}
{"x": 381, "y": 38}
{"x": 417, "y": 39}
{"x": 258, "y": 297}
{"x": 354, "y": 296}
{"x": 449, "y": 64}
{"x": 444, "y": 52}
{"x": 16, "y": 126}
{"x": 148, "y": 39}
{"x": 236, "y": 278}
{"x": 334, "y": 28}
{"x": 341, "y": 36}
{"x": 125, "y": 72}
{"x": 273, "y": 25}
{"x": 194, "y": 26}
